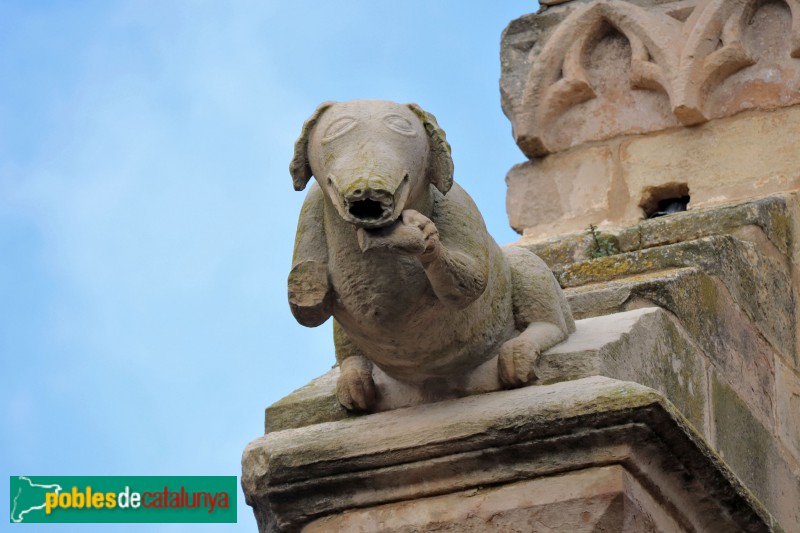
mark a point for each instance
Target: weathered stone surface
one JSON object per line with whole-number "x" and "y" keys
{"x": 294, "y": 477}
{"x": 751, "y": 451}
{"x": 761, "y": 283}
{"x": 757, "y": 65}
{"x": 720, "y": 162}
{"x": 646, "y": 346}
{"x": 772, "y": 215}
{"x": 399, "y": 255}
{"x": 725, "y": 160}
{"x": 311, "y": 404}
{"x": 521, "y": 43}
{"x": 727, "y": 276}
{"x": 574, "y": 186}
{"x": 596, "y": 499}
{"x": 711, "y": 318}
{"x": 618, "y": 295}
{"x": 625, "y": 103}
{"x": 561, "y": 250}
{"x": 788, "y": 398}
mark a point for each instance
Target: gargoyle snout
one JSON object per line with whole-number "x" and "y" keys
{"x": 370, "y": 205}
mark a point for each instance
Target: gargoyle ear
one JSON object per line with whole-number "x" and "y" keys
{"x": 440, "y": 163}
{"x": 299, "y": 167}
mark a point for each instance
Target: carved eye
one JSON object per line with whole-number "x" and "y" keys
{"x": 400, "y": 125}
{"x": 339, "y": 127}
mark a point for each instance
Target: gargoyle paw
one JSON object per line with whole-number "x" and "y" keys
{"x": 355, "y": 388}
{"x": 515, "y": 362}
{"x": 430, "y": 234}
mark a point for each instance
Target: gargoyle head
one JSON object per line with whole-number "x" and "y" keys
{"x": 372, "y": 158}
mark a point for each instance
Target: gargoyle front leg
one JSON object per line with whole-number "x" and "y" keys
{"x": 517, "y": 356}
{"x": 541, "y": 314}
{"x": 355, "y": 388}
{"x": 457, "y": 279}
{"x": 310, "y": 291}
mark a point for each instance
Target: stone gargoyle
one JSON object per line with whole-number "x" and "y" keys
{"x": 426, "y": 305}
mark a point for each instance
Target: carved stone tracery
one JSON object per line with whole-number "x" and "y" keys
{"x": 725, "y": 23}
{"x": 685, "y": 53}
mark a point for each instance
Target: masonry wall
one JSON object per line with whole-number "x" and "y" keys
{"x": 619, "y": 104}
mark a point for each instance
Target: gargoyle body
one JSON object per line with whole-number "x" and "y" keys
{"x": 425, "y": 304}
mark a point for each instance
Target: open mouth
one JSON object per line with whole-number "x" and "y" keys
{"x": 367, "y": 209}
{"x": 371, "y": 208}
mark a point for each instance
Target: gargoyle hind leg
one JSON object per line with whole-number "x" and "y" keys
{"x": 355, "y": 388}
{"x": 541, "y": 315}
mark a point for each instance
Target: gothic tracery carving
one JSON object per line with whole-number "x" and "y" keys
{"x": 698, "y": 61}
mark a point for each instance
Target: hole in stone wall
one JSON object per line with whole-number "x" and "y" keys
{"x": 665, "y": 200}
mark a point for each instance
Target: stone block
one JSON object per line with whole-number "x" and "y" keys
{"x": 788, "y": 399}
{"x": 719, "y": 163}
{"x": 310, "y": 404}
{"x": 725, "y": 160}
{"x": 735, "y": 348}
{"x": 771, "y": 215}
{"x": 295, "y": 477}
{"x": 596, "y": 499}
{"x": 572, "y": 188}
{"x": 755, "y": 261}
{"x": 645, "y": 346}
{"x": 618, "y": 295}
{"x": 751, "y": 452}
{"x": 711, "y": 318}
{"x": 659, "y": 354}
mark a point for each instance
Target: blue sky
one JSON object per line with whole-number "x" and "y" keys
{"x": 147, "y": 214}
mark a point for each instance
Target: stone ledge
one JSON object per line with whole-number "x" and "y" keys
{"x": 582, "y": 355}
{"x": 758, "y": 279}
{"x": 295, "y": 476}
{"x": 771, "y": 214}
{"x": 312, "y": 403}
{"x": 647, "y": 346}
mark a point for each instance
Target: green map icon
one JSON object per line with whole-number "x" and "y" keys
{"x": 28, "y": 497}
